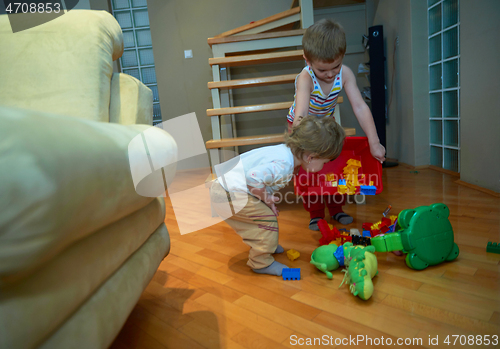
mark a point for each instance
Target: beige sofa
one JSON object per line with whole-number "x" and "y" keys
{"x": 78, "y": 244}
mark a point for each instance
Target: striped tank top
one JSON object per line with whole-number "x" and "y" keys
{"x": 320, "y": 104}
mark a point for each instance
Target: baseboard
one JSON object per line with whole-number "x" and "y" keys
{"x": 451, "y": 173}
{"x": 477, "y": 187}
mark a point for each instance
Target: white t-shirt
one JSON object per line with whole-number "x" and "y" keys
{"x": 270, "y": 167}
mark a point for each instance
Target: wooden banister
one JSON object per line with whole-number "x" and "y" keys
{"x": 271, "y": 35}
{"x": 260, "y": 22}
{"x": 263, "y": 58}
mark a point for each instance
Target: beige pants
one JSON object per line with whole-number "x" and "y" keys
{"x": 255, "y": 223}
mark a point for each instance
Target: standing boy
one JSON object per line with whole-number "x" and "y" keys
{"x": 317, "y": 88}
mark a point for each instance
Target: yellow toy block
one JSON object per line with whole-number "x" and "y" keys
{"x": 354, "y": 162}
{"x": 292, "y": 254}
{"x": 342, "y": 189}
{"x": 334, "y": 183}
{"x": 371, "y": 183}
{"x": 330, "y": 177}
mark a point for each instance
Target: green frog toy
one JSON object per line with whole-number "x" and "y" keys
{"x": 424, "y": 233}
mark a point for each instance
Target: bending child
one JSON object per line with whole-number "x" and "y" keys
{"x": 243, "y": 193}
{"x": 317, "y": 88}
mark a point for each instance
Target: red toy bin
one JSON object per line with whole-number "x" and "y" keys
{"x": 356, "y": 148}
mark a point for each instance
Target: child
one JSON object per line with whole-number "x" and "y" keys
{"x": 316, "y": 90}
{"x": 243, "y": 193}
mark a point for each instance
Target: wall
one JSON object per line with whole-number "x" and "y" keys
{"x": 406, "y": 76}
{"x": 479, "y": 86}
{"x": 353, "y": 20}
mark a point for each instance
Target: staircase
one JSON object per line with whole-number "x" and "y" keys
{"x": 238, "y": 47}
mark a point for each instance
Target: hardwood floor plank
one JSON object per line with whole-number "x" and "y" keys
{"x": 278, "y": 300}
{"x": 210, "y": 286}
{"x": 285, "y": 318}
{"x": 353, "y": 329}
{"x": 166, "y": 335}
{"x": 251, "y": 339}
{"x": 247, "y": 318}
{"x": 443, "y": 316}
{"x": 357, "y": 314}
{"x": 207, "y": 337}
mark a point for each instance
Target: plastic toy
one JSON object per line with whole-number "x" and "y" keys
{"x": 361, "y": 240}
{"x": 366, "y": 233}
{"x": 331, "y": 233}
{"x": 386, "y": 212}
{"x": 426, "y": 235}
{"x": 354, "y": 232}
{"x": 324, "y": 259}
{"x": 360, "y": 262}
{"x": 355, "y": 166}
{"x": 292, "y": 254}
{"x": 493, "y": 247}
{"x": 368, "y": 189}
{"x": 361, "y": 266}
{"x": 291, "y": 273}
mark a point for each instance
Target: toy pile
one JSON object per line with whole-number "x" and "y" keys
{"x": 424, "y": 234}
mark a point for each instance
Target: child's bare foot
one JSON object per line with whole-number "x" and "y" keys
{"x": 275, "y": 268}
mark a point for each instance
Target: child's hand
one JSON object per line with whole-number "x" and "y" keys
{"x": 378, "y": 151}
{"x": 272, "y": 205}
{"x": 274, "y": 209}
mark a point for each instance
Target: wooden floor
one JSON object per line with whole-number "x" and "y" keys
{"x": 204, "y": 296}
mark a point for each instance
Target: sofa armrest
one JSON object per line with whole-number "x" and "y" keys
{"x": 131, "y": 101}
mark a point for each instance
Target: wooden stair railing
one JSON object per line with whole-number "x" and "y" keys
{"x": 264, "y": 81}
{"x": 263, "y": 58}
{"x": 241, "y": 38}
{"x": 279, "y": 19}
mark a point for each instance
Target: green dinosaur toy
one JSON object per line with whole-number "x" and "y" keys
{"x": 425, "y": 233}
{"x": 324, "y": 259}
{"x": 360, "y": 263}
{"x": 361, "y": 266}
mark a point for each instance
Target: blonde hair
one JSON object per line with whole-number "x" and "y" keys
{"x": 322, "y": 137}
{"x": 324, "y": 41}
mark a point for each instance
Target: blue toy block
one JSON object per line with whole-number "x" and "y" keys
{"x": 342, "y": 182}
{"x": 291, "y": 273}
{"x": 368, "y": 189}
{"x": 366, "y": 233}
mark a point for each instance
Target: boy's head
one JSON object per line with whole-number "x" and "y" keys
{"x": 323, "y": 138}
{"x": 324, "y": 41}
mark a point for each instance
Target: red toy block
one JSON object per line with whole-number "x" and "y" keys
{"x": 367, "y": 226}
{"x": 386, "y": 222}
{"x": 328, "y": 234}
{"x": 384, "y": 229}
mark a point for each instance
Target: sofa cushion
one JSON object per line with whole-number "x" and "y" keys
{"x": 63, "y": 66}
{"x": 131, "y": 101}
{"x": 62, "y": 179}
{"x": 69, "y": 279}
